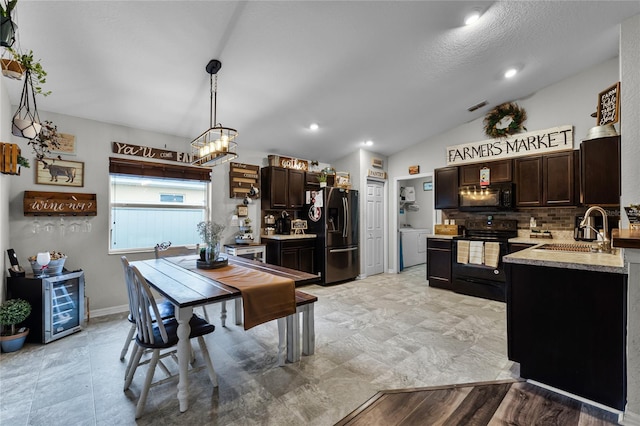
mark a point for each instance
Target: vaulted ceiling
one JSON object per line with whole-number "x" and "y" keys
{"x": 394, "y": 72}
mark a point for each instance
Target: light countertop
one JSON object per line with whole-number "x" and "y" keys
{"x": 281, "y": 237}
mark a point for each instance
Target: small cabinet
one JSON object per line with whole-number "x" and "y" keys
{"x": 439, "y": 253}
{"x": 546, "y": 180}
{"x": 282, "y": 188}
{"x": 500, "y": 172}
{"x": 298, "y": 254}
{"x": 600, "y": 171}
{"x": 446, "y": 188}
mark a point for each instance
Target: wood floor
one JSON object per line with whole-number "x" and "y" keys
{"x": 510, "y": 402}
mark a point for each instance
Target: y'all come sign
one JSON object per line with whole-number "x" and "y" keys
{"x": 531, "y": 143}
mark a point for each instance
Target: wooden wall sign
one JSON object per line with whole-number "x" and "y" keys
{"x": 288, "y": 162}
{"x": 148, "y": 152}
{"x": 37, "y": 203}
{"x": 609, "y": 105}
{"x": 9, "y": 158}
{"x": 244, "y": 180}
{"x": 414, "y": 170}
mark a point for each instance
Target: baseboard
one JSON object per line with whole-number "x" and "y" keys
{"x": 109, "y": 311}
{"x": 630, "y": 419}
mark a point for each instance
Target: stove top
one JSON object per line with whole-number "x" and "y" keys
{"x": 491, "y": 228}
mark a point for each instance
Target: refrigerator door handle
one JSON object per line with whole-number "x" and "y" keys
{"x": 342, "y": 250}
{"x": 345, "y": 208}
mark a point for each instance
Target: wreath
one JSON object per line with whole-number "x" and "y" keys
{"x": 498, "y": 114}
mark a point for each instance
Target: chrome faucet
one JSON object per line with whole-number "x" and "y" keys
{"x": 606, "y": 242}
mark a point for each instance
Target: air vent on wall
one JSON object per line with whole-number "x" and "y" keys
{"x": 477, "y": 106}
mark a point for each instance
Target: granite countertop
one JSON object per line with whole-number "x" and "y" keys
{"x": 282, "y": 237}
{"x": 602, "y": 262}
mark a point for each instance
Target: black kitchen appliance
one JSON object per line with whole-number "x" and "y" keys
{"x": 496, "y": 197}
{"x": 283, "y": 224}
{"x": 481, "y": 280}
{"x": 588, "y": 233}
{"x": 333, "y": 215}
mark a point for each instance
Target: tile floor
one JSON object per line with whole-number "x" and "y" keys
{"x": 387, "y": 331}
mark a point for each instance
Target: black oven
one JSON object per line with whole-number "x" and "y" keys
{"x": 480, "y": 276}
{"x": 495, "y": 197}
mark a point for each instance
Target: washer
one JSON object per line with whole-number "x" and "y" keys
{"x": 414, "y": 246}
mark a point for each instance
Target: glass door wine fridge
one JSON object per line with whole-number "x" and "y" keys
{"x": 57, "y": 304}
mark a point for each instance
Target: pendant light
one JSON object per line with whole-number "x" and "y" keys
{"x": 216, "y": 145}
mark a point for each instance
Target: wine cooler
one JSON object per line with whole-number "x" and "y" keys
{"x": 57, "y": 303}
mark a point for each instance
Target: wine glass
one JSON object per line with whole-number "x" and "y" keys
{"x": 43, "y": 260}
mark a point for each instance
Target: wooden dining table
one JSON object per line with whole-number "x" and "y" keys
{"x": 175, "y": 279}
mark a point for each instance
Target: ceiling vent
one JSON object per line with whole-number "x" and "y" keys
{"x": 477, "y": 106}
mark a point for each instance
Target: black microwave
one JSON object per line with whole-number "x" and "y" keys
{"x": 490, "y": 198}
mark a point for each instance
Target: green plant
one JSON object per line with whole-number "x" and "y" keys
{"x": 322, "y": 177}
{"x": 48, "y": 139}
{"x": 6, "y": 8}
{"x": 210, "y": 232}
{"x": 13, "y": 312}
{"x": 34, "y": 69}
{"x": 23, "y": 162}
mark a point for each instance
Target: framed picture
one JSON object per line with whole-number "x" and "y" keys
{"x": 609, "y": 105}
{"x": 414, "y": 170}
{"x": 427, "y": 186}
{"x": 51, "y": 171}
{"x": 66, "y": 144}
{"x": 243, "y": 211}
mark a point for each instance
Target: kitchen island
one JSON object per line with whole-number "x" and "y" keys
{"x": 294, "y": 251}
{"x": 566, "y": 321}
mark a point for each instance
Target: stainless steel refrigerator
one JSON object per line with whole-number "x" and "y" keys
{"x": 332, "y": 214}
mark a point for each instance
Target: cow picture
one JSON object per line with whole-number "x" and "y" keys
{"x": 60, "y": 172}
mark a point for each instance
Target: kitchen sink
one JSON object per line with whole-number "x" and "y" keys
{"x": 575, "y": 248}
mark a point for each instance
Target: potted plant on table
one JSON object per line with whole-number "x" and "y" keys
{"x": 211, "y": 234}
{"x": 12, "y": 313}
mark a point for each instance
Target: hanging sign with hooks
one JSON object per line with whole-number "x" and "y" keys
{"x": 244, "y": 181}
{"x": 37, "y": 203}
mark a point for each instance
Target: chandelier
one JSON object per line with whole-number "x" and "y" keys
{"x": 216, "y": 145}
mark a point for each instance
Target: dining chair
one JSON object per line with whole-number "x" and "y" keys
{"x": 160, "y": 338}
{"x": 165, "y": 309}
{"x": 165, "y": 249}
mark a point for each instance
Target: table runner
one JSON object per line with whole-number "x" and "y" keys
{"x": 265, "y": 296}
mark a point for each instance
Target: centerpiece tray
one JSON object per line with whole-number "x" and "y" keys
{"x": 218, "y": 263}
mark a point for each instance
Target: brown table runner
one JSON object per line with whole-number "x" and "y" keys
{"x": 265, "y": 296}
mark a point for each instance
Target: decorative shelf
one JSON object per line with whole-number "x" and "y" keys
{"x": 9, "y": 153}
{"x": 37, "y": 203}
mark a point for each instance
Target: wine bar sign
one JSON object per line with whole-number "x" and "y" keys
{"x": 37, "y": 203}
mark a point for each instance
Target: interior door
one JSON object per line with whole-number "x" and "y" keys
{"x": 374, "y": 240}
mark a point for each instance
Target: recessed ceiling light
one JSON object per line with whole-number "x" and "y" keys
{"x": 472, "y": 17}
{"x": 510, "y": 72}
{"x": 367, "y": 143}
{"x": 314, "y": 126}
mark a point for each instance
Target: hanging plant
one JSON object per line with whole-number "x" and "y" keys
{"x": 8, "y": 28}
{"x": 26, "y": 122}
{"x": 503, "y": 120}
{"x": 47, "y": 140}
{"x": 20, "y": 63}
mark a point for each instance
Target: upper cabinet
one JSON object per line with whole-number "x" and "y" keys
{"x": 499, "y": 171}
{"x": 600, "y": 171}
{"x": 282, "y": 188}
{"x": 446, "y": 187}
{"x": 546, "y": 180}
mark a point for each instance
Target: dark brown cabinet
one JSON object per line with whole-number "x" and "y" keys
{"x": 282, "y": 188}
{"x": 567, "y": 329}
{"x": 298, "y": 254}
{"x": 600, "y": 171}
{"x": 500, "y": 171}
{"x": 439, "y": 252}
{"x": 546, "y": 180}
{"x": 446, "y": 188}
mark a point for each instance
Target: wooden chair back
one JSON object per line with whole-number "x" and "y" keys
{"x": 145, "y": 310}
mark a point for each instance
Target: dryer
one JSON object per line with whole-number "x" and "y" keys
{"x": 414, "y": 246}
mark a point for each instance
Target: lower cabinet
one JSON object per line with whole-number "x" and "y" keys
{"x": 295, "y": 254}
{"x": 439, "y": 262}
{"x": 567, "y": 329}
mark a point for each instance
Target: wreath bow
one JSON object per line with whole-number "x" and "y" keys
{"x": 496, "y": 115}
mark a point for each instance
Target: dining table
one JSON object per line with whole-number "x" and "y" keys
{"x": 179, "y": 280}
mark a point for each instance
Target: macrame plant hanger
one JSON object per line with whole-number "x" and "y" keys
{"x": 26, "y": 122}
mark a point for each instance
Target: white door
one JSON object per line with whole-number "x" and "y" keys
{"x": 374, "y": 241}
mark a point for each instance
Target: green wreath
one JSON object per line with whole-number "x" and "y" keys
{"x": 508, "y": 109}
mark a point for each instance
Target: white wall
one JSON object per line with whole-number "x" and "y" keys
{"x": 570, "y": 101}
{"x": 5, "y": 181}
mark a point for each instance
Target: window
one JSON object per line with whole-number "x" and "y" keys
{"x": 148, "y": 209}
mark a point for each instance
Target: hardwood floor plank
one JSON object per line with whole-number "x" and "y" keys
{"x": 594, "y": 416}
{"x": 526, "y": 404}
{"x": 390, "y": 409}
{"x": 436, "y": 407}
{"x": 479, "y": 406}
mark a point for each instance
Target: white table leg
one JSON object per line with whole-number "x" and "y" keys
{"x": 183, "y": 316}
{"x": 293, "y": 338}
{"x": 308, "y": 331}
{"x": 238, "y": 310}
{"x": 282, "y": 327}
{"x": 223, "y": 313}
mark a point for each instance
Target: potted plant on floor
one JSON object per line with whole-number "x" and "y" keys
{"x": 12, "y": 313}
{"x": 7, "y": 26}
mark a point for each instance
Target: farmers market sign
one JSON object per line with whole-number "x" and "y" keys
{"x": 519, "y": 145}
